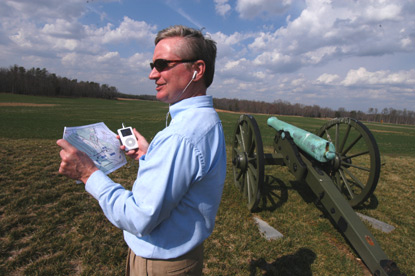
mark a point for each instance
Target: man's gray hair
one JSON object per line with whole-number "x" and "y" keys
{"x": 197, "y": 47}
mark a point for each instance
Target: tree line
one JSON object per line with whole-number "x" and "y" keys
{"x": 36, "y": 81}
{"x": 386, "y": 115}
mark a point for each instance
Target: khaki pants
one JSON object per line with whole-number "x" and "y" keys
{"x": 190, "y": 263}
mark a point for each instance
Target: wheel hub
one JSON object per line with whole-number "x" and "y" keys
{"x": 336, "y": 162}
{"x": 339, "y": 161}
{"x": 240, "y": 161}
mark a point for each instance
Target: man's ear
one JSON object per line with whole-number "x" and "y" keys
{"x": 200, "y": 68}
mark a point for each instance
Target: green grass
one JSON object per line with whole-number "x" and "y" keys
{"x": 50, "y": 226}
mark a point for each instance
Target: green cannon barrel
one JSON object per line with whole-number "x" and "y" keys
{"x": 317, "y": 147}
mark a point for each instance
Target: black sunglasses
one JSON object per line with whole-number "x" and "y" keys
{"x": 161, "y": 64}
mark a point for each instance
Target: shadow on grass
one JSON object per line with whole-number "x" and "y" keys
{"x": 371, "y": 203}
{"x": 298, "y": 263}
{"x": 308, "y": 196}
{"x": 304, "y": 191}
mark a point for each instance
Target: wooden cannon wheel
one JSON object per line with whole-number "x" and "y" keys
{"x": 356, "y": 167}
{"x": 248, "y": 159}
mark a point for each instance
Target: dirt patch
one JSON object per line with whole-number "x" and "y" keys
{"x": 266, "y": 114}
{"x": 27, "y": 104}
{"x": 126, "y": 99}
{"x": 244, "y": 112}
{"x": 387, "y": 131}
{"x": 227, "y": 111}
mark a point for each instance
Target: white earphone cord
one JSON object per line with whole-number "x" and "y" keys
{"x": 168, "y": 112}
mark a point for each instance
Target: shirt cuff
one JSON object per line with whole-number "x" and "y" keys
{"x": 97, "y": 182}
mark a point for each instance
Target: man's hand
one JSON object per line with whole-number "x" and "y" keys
{"x": 75, "y": 163}
{"x": 142, "y": 146}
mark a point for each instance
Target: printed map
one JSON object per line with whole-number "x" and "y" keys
{"x": 99, "y": 143}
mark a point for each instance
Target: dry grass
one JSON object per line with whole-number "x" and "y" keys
{"x": 50, "y": 226}
{"x": 27, "y": 104}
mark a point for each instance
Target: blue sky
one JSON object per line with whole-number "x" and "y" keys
{"x": 339, "y": 54}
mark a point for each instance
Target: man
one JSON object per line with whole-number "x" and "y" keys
{"x": 173, "y": 203}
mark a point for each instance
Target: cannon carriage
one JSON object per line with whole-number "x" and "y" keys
{"x": 340, "y": 164}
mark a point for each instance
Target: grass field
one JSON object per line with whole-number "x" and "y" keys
{"x": 50, "y": 226}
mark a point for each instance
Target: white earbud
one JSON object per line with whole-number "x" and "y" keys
{"x": 178, "y": 96}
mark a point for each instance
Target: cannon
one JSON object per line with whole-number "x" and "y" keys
{"x": 340, "y": 164}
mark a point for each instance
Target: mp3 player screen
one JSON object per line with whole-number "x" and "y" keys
{"x": 126, "y": 132}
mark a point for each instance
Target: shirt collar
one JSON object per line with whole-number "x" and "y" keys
{"x": 193, "y": 102}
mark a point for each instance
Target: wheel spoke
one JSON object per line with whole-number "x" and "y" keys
{"x": 328, "y": 135}
{"x": 251, "y": 149}
{"x": 336, "y": 137}
{"x": 240, "y": 182}
{"x": 346, "y": 184}
{"x": 337, "y": 177}
{"x": 236, "y": 152}
{"x": 253, "y": 170}
{"x": 242, "y": 137}
{"x": 359, "y": 167}
{"x": 359, "y": 164}
{"x": 239, "y": 139}
{"x": 248, "y": 185}
{"x": 271, "y": 200}
{"x": 252, "y": 189}
{"x": 352, "y": 145}
{"x": 248, "y": 157}
{"x": 355, "y": 155}
{"x": 252, "y": 160}
{"x": 356, "y": 180}
{"x": 238, "y": 176}
{"x": 273, "y": 194}
{"x": 346, "y": 136}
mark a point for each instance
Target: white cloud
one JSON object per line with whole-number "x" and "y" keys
{"x": 363, "y": 77}
{"x": 231, "y": 46}
{"x": 139, "y": 61}
{"x": 327, "y": 78}
{"x": 51, "y": 34}
{"x": 64, "y": 29}
{"x": 249, "y": 9}
{"x": 382, "y": 11}
{"x": 107, "y": 57}
{"x": 407, "y": 42}
{"x": 20, "y": 39}
{"x": 316, "y": 56}
{"x": 324, "y": 34}
{"x": 43, "y": 10}
{"x": 276, "y": 60}
{"x": 326, "y": 31}
{"x": 129, "y": 29}
{"x": 331, "y": 50}
{"x": 230, "y": 65}
{"x": 229, "y": 40}
{"x": 222, "y": 7}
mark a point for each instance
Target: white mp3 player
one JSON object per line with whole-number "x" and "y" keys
{"x": 127, "y": 138}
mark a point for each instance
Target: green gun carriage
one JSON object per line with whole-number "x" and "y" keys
{"x": 340, "y": 164}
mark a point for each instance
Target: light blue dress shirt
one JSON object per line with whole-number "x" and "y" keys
{"x": 173, "y": 203}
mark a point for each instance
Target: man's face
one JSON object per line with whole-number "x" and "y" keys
{"x": 173, "y": 79}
